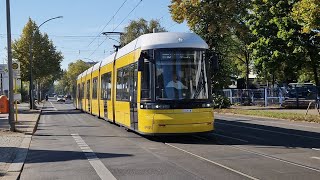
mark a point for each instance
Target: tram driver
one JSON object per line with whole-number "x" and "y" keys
{"x": 175, "y": 83}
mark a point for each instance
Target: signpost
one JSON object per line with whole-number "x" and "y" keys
{"x": 16, "y": 75}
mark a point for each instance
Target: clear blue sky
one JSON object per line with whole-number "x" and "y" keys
{"x": 82, "y": 21}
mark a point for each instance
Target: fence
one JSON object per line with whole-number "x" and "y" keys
{"x": 295, "y": 97}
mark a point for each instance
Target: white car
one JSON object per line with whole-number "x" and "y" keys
{"x": 60, "y": 98}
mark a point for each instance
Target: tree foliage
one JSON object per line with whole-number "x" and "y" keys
{"x": 68, "y": 80}
{"x": 307, "y": 14}
{"x": 46, "y": 58}
{"x": 139, "y": 27}
{"x": 281, "y": 49}
{"x": 216, "y": 21}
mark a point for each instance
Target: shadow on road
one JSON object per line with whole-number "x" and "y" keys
{"x": 241, "y": 133}
{"x": 235, "y": 132}
{"x": 60, "y": 112}
{"x": 45, "y": 156}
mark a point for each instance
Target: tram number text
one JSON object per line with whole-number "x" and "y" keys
{"x": 187, "y": 110}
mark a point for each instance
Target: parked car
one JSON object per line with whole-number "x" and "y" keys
{"x": 302, "y": 90}
{"x": 60, "y": 98}
{"x": 68, "y": 97}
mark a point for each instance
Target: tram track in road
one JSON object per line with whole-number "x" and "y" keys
{"x": 269, "y": 131}
{"x": 213, "y": 162}
{"x": 163, "y": 140}
{"x": 171, "y": 143}
{"x": 219, "y": 162}
{"x": 266, "y": 139}
{"x": 259, "y": 153}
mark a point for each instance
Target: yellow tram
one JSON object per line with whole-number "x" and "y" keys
{"x": 157, "y": 84}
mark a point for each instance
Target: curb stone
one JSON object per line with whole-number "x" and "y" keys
{"x": 261, "y": 117}
{"x": 15, "y": 169}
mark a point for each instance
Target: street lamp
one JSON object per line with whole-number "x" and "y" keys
{"x": 31, "y": 59}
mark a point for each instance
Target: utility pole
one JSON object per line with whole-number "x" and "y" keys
{"x": 11, "y": 100}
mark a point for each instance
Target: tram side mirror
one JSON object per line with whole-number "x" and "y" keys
{"x": 141, "y": 60}
{"x": 214, "y": 61}
{"x": 141, "y": 63}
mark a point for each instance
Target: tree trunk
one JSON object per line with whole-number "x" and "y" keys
{"x": 38, "y": 92}
{"x": 315, "y": 74}
{"x": 247, "y": 70}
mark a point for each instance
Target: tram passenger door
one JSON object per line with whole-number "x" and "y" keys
{"x": 79, "y": 97}
{"x": 133, "y": 96}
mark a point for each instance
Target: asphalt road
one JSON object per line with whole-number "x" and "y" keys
{"x": 73, "y": 145}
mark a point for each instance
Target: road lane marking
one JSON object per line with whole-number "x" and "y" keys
{"x": 54, "y": 108}
{"x": 271, "y": 157}
{"x": 95, "y": 162}
{"x": 274, "y": 158}
{"x": 313, "y": 157}
{"x": 316, "y": 149}
{"x": 297, "y": 135}
{"x": 213, "y": 162}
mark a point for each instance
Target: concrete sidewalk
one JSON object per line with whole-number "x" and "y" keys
{"x": 14, "y": 145}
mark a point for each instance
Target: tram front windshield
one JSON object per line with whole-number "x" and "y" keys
{"x": 180, "y": 74}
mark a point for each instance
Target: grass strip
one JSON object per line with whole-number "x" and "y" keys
{"x": 272, "y": 114}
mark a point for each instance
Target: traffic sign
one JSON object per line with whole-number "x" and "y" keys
{"x": 15, "y": 66}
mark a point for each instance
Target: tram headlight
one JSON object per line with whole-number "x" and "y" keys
{"x": 154, "y": 106}
{"x": 206, "y": 105}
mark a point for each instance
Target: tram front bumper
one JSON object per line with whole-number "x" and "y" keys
{"x": 178, "y": 122}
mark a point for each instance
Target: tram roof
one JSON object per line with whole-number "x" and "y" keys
{"x": 96, "y": 66}
{"x": 155, "y": 41}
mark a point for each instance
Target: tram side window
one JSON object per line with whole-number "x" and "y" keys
{"x": 125, "y": 83}
{"x": 145, "y": 82}
{"x": 106, "y": 86}
{"x": 88, "y": 89}
{"x": 109, "y": 85}
{"x": 133, "y": 71}
{"x": 119, "y": 84}
{"x": 78, "y": 91}
{"x": 94, "y": 88}
{"x": 82, "y": 91}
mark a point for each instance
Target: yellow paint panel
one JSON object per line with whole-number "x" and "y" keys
{"x": 156, "y": 121}
{"x": 101, "y": 108}
{"x": 125, "y": 60}
{"x": 110, "y": 110}
{"x": 145, "y": 121}
{"x": 123, "y": 113}
{"x": 95, "y": 107}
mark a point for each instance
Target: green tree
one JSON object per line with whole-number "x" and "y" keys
{"x": 139, "y": 27}
{"x": 68, "y": 81}
{"x": 61, "y": 86}
{"x": 216, "y": 21}
{"x": 46, "y": 58}
{"x": 307, "y": 14}
{"x": 281, "y": 49}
